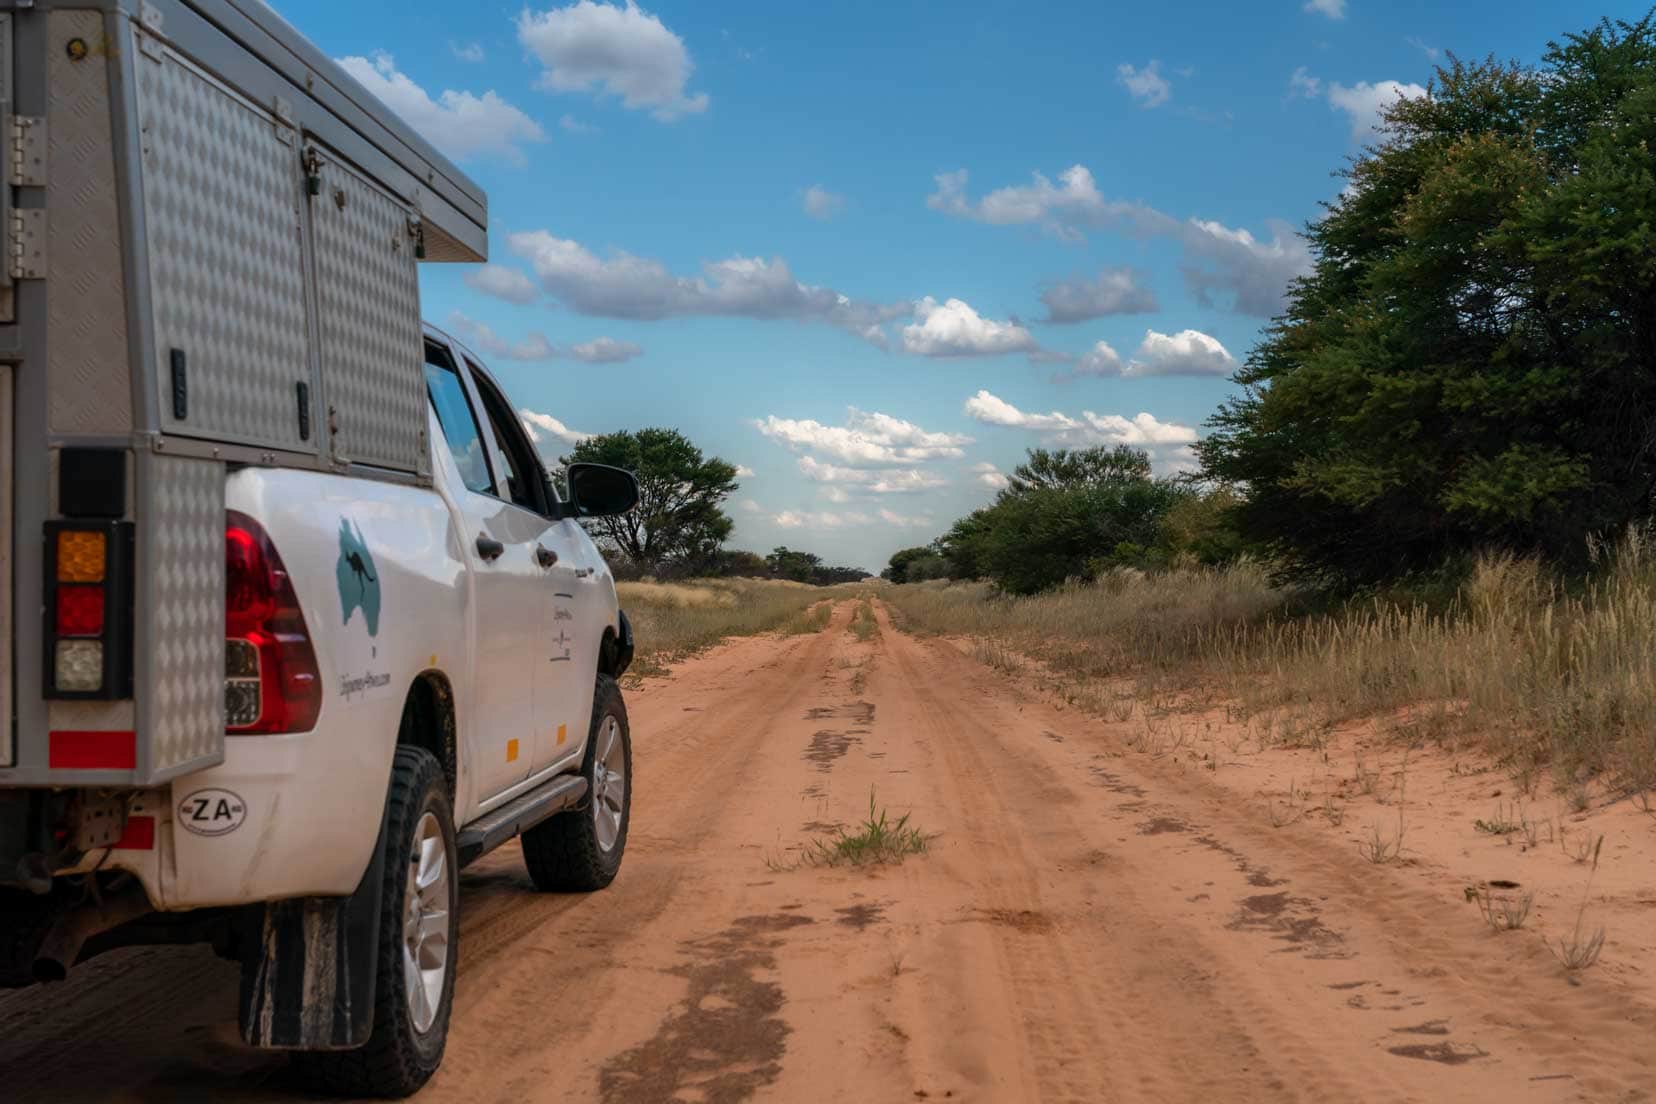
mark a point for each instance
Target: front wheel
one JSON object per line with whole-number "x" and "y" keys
{"x": 419, "y": 929}
{"x": 580, "y": 851}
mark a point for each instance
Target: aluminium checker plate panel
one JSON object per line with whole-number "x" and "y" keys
{"x": 89, "y": 371}
{"x": 368, "y": 307}
{"x": 180, "y": 673}
{"x": 222, "y": 194}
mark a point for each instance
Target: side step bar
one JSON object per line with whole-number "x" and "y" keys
{"x": 518, "y": 816}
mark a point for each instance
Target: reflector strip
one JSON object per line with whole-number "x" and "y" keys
{"x": 139, "y": 835}
{"x": 93, "y": 751}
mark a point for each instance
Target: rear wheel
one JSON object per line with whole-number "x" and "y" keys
{"x": 580, "y": 851}
{"x": 419, "y": 927}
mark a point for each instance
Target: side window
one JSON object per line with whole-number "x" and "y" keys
{"x": 523, "y": 469}
{"x": 454, "y": 414}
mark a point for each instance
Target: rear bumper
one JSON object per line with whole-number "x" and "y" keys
{"x": 282, "y": 816}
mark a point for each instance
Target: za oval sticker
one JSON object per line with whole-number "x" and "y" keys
{"x": 212, "y": 812}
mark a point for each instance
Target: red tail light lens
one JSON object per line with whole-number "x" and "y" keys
{"x": 80, "y": 610}
{"x": 271, "y": 679}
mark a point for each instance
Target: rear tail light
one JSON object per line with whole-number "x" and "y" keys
{"x": 271, "y": 681}
{"x": 89, "y": 609}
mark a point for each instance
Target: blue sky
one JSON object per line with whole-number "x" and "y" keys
{"x": 871, "y": 252}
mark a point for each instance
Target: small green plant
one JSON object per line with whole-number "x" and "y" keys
{"x": 878, "y": 841}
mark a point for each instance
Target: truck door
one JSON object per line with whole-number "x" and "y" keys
{"x": 565, "y": 656}
{"x": 498, "y": 542}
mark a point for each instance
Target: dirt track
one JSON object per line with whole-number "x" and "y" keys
{"x": 1088, "y": 926}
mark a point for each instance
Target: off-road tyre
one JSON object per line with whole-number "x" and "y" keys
{"x": 398, "y": 1059}
{"x": 563, "y": 852}
{"x": 24, "y": 921}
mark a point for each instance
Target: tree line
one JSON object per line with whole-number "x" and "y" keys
{"x": 679, "y": 527}
{"x": 1469, "y": 365}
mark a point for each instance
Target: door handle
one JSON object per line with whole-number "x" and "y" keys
{"x": 489, "y": 549}
{"x": 545, "y": 556}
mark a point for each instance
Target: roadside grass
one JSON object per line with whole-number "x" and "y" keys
{"x": 863, "y": 625}
{"x": 812, "y": 619}
{"x": 672, "y": 621}
{"x": 1545, "y": 675}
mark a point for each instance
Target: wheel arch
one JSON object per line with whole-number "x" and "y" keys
{"x": 428, "y": 721}
{"x": 615, "y": 649}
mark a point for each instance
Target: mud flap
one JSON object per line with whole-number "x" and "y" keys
{"x": 307, "y": 978}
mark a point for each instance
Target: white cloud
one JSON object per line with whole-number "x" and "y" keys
{"x": 821, "y": 204}
{"x": 547, "y": 432}
{"x": 866, "y": 440}
{"x": 535, "y": 346}
{"x": 1334, "y": 9}
{"x": 1064, "y": 209}
{"x": 993, "y": 410}
{"x": 1146, "y": 85}
{"x": 1253, "y": 273}
{"x": 574, "y": 126}
{"x": 806, "y": 519}
{"x": 1302, "y": 84}
{"x": 1186, "y": 353}
{"x": 1432, "y": 52}
{"x": 953, "y": 328}
{"x": 1365, "y": 102}
{"x": 748, "y": 506}
{"x": 1100, "y": 360}
{"x": 891, "y": 517}
{"x": 872, "y": 480}
{"x": 624, "y": 286}
{"x": 470, "y": 52}
{"x": 618, "y": 51}
{"x": 1115, "y": 291}
{"x": 480, "y": 335}
{"x": 1168, "y": 443}
{"x": 744, "y": 472}
{"x": 503, "y": 283}
{"x": 605, "y": 350}
{"x": 461, "y": 124}
{"x": 991, "y": 476}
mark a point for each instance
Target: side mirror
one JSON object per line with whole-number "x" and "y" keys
{"x": 598, "y": 490}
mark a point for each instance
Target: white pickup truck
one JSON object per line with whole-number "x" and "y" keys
{"x": 293, "y": 622}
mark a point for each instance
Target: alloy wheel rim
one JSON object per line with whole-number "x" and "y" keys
{"x": 609, "y": 784}
{"x": 426, "y": 923}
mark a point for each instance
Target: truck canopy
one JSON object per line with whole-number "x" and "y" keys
{"x": 212, "y": 239}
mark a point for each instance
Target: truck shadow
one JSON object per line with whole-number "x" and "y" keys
{"x": 157, "y": 1025}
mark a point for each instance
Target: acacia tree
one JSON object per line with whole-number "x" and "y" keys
{"x": 678, "y": 519}
{"x": 1472, "y": 360}
{"x": 1069, "y": 468}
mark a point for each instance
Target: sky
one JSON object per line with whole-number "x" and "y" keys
{"x": 871, "y": 252}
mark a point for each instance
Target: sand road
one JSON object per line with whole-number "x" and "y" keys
{"x": 1086, "y": 926}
